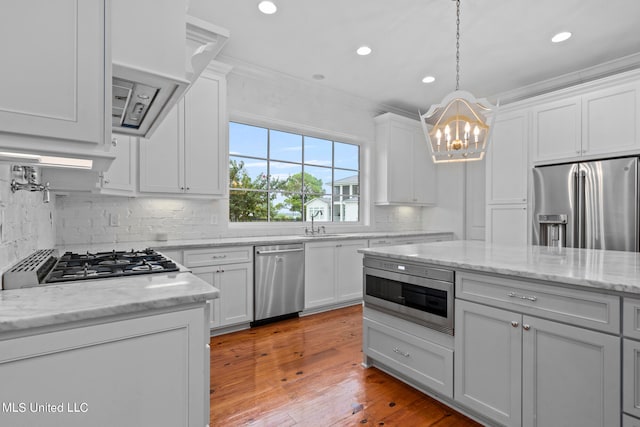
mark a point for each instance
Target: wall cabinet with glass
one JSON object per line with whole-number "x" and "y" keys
{"x": 332, "y": 274}
{"x": 187, "y": 153}
{"x": 405, "y": 173}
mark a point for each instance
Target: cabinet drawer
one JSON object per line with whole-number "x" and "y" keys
{"x": 217, "y": 256}
{"x": 631, "y": 318}
{"x": 576, "y": 307}
{"x": 425, "y": 362}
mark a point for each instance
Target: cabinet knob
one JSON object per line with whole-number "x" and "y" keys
{"x": 182, "y": 188}
{"x": 114, "y": 141}
{"x": 514, "y": 323}
{"x": 188, "y": 189}
{"x": 106, "y": 181}
{"x": 526, "y": 327}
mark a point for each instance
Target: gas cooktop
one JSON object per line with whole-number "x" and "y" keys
{"x": 72, "y": 266}
{"x": 44, "y": 267}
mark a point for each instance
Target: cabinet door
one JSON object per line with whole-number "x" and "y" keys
{"x": 556, "y": 130}
{"x": 488, "y": 362}
{"x": 121, "y": 173}
{"x": 162, "y": 156}
{"x": 54, "y": 69}
{"x": 569, "y": 373}
{"x": 424, "y": 171}
{"x": 507, "y": 224}
{"x": 349, "y": 272}
{"x": 235, "y": 282}
{"x": 400, "y": 165}
{"x": 611, "y": 120}
{"x": 631, "y": 377}
{"x": 507, "y": 160}
{"x": 319, "y": 274}
{"x": 204, "y": 138}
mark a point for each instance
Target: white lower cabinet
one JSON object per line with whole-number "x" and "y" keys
{"x": 151, "y": 370}
{"x": 332, "y": 272}
{"x": 231, "y": 271}
{"x": 521, "y": 370}
{"x": 631, "y": 362}
{"x": 418, "y": 353}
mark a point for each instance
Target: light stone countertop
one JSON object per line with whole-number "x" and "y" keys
{"x": 27, "y": 308}
{"x": 615, "y": 271}
{"x": 175, "y": 244}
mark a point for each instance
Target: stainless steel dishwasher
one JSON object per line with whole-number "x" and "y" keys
{"x": 278, "y": 281}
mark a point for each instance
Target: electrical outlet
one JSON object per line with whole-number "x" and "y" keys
{"x": 114, "y": 220}
{"x": 214, "y": 219}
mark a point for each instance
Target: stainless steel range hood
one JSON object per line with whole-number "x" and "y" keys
{"x": 141, "y": 99}
{"x": 149, "y": 80}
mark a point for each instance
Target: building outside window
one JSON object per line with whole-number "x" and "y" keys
{"x": 277, "y": 176}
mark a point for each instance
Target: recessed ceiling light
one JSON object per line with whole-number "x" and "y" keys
{"x": 267, "y": 7}
{"x": 428, "y": 79}
{"x": 560, "y": 37}
{"x": 363, "y": 50}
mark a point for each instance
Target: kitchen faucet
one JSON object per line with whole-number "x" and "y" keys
{"x": 314, "y": 231}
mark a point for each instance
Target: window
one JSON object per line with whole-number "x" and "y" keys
{"x": 282, "y": 176}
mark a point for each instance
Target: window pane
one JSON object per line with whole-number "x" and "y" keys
{"x": 346, "y": 156}
{"x": 247, "y": 206}
{"x": 346, "y": 209}
{"x": 285, "y": 146}
{"x": 247, "y": 140}
{"x": 317, "y": 180}
{"x": 286, "y": 207}
{"x": 285, "y": 176}
{"x": 247, "y": 173}
{"x": 346, "y": 182}
{"x": 317, "y": 151}
{"x": 318, "y": 206}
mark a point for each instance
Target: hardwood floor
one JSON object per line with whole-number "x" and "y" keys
{"x": 307, "y": 372}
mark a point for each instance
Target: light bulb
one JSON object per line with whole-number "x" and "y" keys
{"x": 438, "y": 136}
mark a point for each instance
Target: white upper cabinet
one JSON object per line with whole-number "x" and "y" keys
{"x": 556, "y": 130}
{"x": 611, "y": 120}
{"x": 507, "y": 159}
{"x": 53, "y": 78}
{"x": 186, "y": 155}
{"x": 602, "y": 120}
{"x": 404, "y": 172}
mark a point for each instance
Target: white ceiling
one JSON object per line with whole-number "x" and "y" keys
{"x": 505, "y": 44}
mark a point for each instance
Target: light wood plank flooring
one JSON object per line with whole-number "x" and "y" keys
{"x": 307, "y": 372}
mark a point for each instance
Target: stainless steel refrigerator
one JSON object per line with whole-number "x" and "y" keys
{"x": 587, "y": 205}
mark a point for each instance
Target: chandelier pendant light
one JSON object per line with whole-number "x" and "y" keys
{"x": 457, "y": 129}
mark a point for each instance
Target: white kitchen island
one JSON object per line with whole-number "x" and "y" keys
{"x": 543, "y": 336}
{"x": 125, "y": 352}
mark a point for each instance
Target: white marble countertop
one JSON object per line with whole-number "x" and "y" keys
{"x": 240, "y": 241}
{"x": 596, "y": 269}
{"x": 47, "y": 305}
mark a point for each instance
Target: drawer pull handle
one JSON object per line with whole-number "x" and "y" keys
{"x": 219, "y": 256}
{"x": 400, "y": 352}
{"x": 515, "y": 295}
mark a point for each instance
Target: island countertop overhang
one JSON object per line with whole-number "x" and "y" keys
{"x": 598, "y": 270}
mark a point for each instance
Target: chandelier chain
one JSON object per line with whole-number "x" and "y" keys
{"x": 457, "y": 44}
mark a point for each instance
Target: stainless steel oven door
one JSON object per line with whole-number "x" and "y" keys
{"x": 418, "y": 299}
